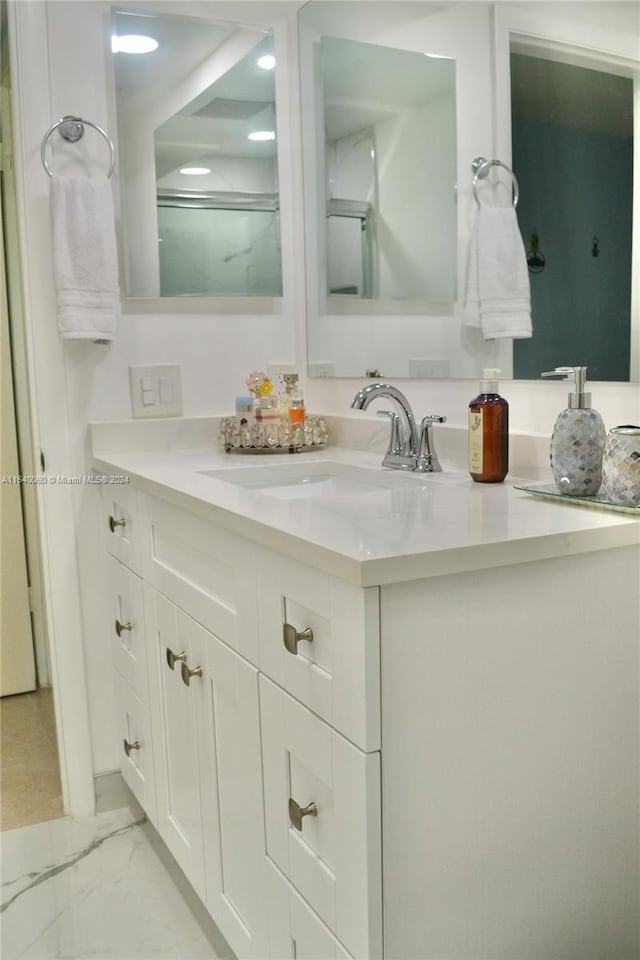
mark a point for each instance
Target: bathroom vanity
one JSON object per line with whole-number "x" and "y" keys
{"x": 376, "y": 714}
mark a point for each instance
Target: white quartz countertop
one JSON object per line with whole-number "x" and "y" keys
{"x": 423, "y": 526}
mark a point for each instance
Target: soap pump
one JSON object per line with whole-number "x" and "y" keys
{"x": 578, "y": 439}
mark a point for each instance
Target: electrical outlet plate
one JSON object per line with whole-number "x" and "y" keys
{"x": 428, "y": 368}
{"x": 156, "y": 390}
{"x": 274, "y": 370}
{"x": 322, "y": 368}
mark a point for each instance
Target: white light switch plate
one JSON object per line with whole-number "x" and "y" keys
{"x": 156, "y": 390}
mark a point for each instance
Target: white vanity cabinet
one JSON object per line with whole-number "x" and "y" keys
{"x": 440, "y": 768}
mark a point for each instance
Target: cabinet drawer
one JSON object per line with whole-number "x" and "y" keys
{"x": 123, "y": 524}
{"x": 136, "y": 746}
{"x": 296, "y": 931}
{"x": 334, "y": 860}
{"x": 206, "y": 571}
{"x": 336, "y": 673}
{"x": 126, "y": 627}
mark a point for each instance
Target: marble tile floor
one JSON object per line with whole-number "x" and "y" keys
{"x": 100, "y": 888}
{"x": 31, "y": 791}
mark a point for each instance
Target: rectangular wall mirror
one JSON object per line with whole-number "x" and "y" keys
{"x": 381, "y": 122}
{"x": 197, "y": 157}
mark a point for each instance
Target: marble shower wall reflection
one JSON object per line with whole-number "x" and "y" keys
{"x": 244, "y": 245}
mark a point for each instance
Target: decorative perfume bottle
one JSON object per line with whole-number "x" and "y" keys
{"x": 578, "y": 439}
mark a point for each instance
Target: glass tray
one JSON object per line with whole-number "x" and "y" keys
{"x": 241, "y": 436}
{"x": 597, "y": 502}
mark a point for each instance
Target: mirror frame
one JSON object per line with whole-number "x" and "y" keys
{"x": 459, "y": 33}
{"x": 573, "y": 42}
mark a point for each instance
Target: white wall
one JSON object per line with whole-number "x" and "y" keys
{"x": 60, "y": 66}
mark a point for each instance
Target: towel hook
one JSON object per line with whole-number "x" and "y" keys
{"x": 481, "y": 167}
{"x": 72, "y": 129}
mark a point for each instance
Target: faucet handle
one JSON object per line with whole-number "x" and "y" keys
{"x": 395, "y": 439}
{"x": 427, "y": 457}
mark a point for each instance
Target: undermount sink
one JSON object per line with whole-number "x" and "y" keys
{"x": 323, "y": 479}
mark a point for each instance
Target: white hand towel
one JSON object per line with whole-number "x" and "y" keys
{"x": 498, "y": 295}
{"x": 85, "y": 258}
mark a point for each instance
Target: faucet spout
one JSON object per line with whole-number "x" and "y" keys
{"x": 402, "y": 455}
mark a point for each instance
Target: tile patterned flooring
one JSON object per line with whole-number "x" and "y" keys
{"x": 31, "y": 791}
{"x": 100, "y": 888}
{"x": 104, "y": 887}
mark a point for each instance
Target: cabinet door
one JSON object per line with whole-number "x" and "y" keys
{"x": 333, "y": 858}
{"x": 233, "y": 817}
{"x": 176, "y": 711}
{"x": 136, "y": 746}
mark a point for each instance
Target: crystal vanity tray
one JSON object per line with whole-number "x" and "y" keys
{"x": 240, "y": 436}
{"x": 598, "y": 502}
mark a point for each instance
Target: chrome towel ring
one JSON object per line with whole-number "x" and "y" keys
{"x": 72, "y": 129}
{"x": 481, "y": 167}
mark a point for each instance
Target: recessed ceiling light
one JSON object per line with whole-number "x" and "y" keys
{"x": 262, "y": 135}
{"x": 195, "y": 171}
{"x": 133, "y": 43}
{"x": 267, "y": 62}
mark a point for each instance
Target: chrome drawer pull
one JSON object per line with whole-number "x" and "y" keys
{"x": 113, "y": 523}
{"x": 292, "y": 638}
{"x": 173, "y": 658}
{"x": 128, "y": 746}
{"x": 123, "y": 626}
{"x": 187, "y": 673}
{"x": 296, "y": 812}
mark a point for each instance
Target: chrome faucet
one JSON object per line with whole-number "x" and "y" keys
{"x": 407, "y": 450}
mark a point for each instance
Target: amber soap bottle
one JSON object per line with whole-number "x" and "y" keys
{"x": 489, "y": 432}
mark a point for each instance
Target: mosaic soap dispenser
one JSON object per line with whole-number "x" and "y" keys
{"x": 578, "y": 439}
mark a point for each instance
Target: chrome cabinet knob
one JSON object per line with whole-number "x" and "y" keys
{"x": 113, "y": 523}
{"x": 129, "y": 746}
{"x": 123, "y": 626}
{"x": 296, "y": 812}
{"x": 173, "y": 658}
{"x": 188, "y": 672}
{"x": 291, "y": 637}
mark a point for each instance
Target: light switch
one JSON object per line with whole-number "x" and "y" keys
{"x": 166, "y": 390}
{"x": 156, "y": 390}
{"x": 147, "y": 391}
